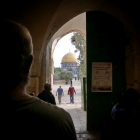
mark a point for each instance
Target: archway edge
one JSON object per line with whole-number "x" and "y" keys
{"x": 57, "y": 39}
{"x": 71, "y": 10}
{"x": 57, "y": 22}
{"x": 45, "y": 18}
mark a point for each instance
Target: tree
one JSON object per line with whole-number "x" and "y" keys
{"x": 57, "y": 72}
{"x": 56, "y": 76}
{"x": 66, "y": 75}
{"x": 79, "y": 41}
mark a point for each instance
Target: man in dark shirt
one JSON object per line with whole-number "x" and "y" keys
{"x": 24, "y": 116}
{"x": 46, "y": 95}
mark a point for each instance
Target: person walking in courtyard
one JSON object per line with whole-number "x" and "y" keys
{"x": 70, "y": 82}
{"x": 60, "y": 93}
{"x": 71, "y": 91}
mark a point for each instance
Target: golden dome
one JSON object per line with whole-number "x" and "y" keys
{"x": 69, "y": 57}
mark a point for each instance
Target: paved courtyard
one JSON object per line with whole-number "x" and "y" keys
{"x": 77, "y": 113}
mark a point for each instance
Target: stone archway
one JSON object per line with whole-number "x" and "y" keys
{"x": 121, "y": 16}
{"x": 44, "y": 19}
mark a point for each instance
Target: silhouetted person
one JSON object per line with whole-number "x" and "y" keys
{"x": 24, "y": 116}
{"x": 125, "y": 116}
{"x": 46, "y": 95}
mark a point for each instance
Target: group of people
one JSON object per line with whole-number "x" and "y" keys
{"x": 27, "y": 117}
{"x": 71, "y": 92}
{"x": 46, "y": 94}
{"x": 76, "y": 78}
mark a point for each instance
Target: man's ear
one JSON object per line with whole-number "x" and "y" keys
{"x": 28, "y": 64}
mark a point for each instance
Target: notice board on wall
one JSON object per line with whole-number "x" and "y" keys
{"x": 101, "y": 77}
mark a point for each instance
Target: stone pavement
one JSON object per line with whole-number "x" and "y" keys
{"x": 77, "y": 113}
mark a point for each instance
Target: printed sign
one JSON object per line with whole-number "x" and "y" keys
{"x": 101, "y": 77}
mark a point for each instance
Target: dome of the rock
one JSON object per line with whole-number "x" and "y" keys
{"x": 70, "y": 58}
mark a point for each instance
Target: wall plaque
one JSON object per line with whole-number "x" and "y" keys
{"x": 101, "y": 77}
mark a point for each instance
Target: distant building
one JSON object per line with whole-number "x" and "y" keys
{"x": 69, "y": 62}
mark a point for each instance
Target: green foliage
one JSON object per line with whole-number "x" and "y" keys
{"x": 79, "y": 41}
{"x": 56, "y": 76}
{"x": 79, "y": 72}
{"x": 80, "y": 44}
{"x": 66, "y": 75}
{"x": 60, "y": 74}
{"x": 57, "y": 72}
